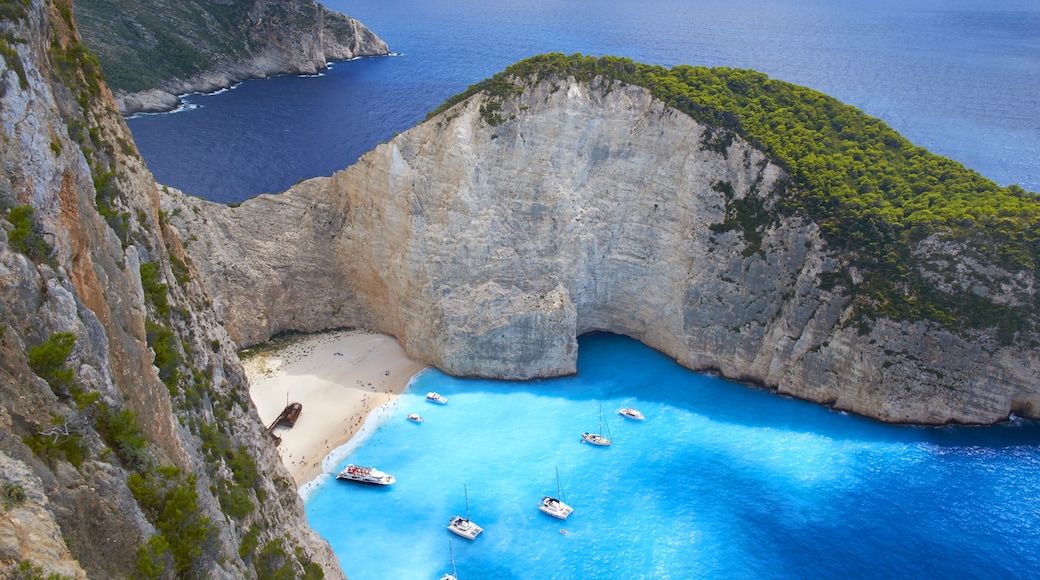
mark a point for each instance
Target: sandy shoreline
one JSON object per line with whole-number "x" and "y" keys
{"x": 339, "y": 377}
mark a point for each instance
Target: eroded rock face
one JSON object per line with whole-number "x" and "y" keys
{"x": 65, "y": 151}
{"x": 487, "y": 249}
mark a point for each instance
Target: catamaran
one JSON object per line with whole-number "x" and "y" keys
{"x": 554, "y": 506}
{"x": 462, "y": 526}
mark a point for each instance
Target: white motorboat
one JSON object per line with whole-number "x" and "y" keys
{"x": 435, "y": 397}
{"x": 368, "y": 475}
{"x": 630, "y": 413}
{"x": 414, "y": 418}
{"x": 596, "y": 438}
{"x": 463, "y": 526}
{"x": 554, "y": 506}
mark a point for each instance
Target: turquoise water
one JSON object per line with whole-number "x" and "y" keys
{"x": 721, "y": 480}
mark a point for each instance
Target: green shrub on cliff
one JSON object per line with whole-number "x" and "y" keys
{"x": 170, "y": 501}
{"x": 155, "y": 291}
{"x": 47, "y": 360}
{"x": 25, "y": 237}
{"x": 872, "y": 192}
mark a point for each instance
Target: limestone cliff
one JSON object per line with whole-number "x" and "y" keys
{"x": 128, "y": 442}
{"x": 153, "y": 50}
{"x": 489, "y": 237}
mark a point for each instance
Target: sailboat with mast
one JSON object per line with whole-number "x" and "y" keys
{"x": 463, "y": 526}
{"x": 596, "y": 438}
{"x": 554, "y": 506}
{"x": 454, "y": 573}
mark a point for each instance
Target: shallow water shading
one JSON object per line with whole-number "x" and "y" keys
{"x": 721, "y": 479}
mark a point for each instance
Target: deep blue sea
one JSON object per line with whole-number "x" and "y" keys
{"x": 720, "y": 481}
{"x": 958, "y": 77}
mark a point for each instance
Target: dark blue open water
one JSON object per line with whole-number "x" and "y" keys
{"x": 959, "y": 77}
{"x": 722, "y": 480}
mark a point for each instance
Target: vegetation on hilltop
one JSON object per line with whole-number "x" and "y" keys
{"x": 872, "y": 192}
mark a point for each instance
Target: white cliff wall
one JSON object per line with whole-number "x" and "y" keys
{"x": 488, "y": 249}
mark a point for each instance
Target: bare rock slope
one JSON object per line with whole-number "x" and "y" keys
{"x": 128, "y": 443}
{"x": 487, "y": 248}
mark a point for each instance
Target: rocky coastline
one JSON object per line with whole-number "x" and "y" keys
{"x": 196, "y": 47}
{"x": 153, "y": 101}
{"x": 487, "y": 248}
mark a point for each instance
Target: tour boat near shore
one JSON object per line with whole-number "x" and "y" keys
{"x": 435, "y": 397}
{"x": 414, "y": 418}
{"x": 368, "y": 475}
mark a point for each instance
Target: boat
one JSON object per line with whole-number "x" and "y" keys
{"x": 630, "y": 413}
{"x": 368, "y": 475}
{"x": 554, "y": 506}
{"x": 454, "y": 574}
{"x": 435, "y": 397}
{"x": 463, "y": 526}
{"x": 414, "y": 418}
{"x": 596, "y": 438}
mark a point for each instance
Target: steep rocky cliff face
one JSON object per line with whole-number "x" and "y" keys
{"x": 153, "y": 50}
{"x": 491, "y": 236}
{"x": 129, "y": 445}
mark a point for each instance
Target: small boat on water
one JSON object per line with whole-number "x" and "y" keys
{"x": 554, "y": 506}
{"x": 463, "y": 526}
{"x": 368, "y": 475}
{"x": 454, "y": 573}
{"x": 596, "y": 438}
{"x": 414, "y": 418}
{"x": 551, "y": 506}
{"x": 631, "y": 413}
{"x": 435, "y": 397}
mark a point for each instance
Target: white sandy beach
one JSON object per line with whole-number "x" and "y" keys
{"x": 338, "y": 377}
